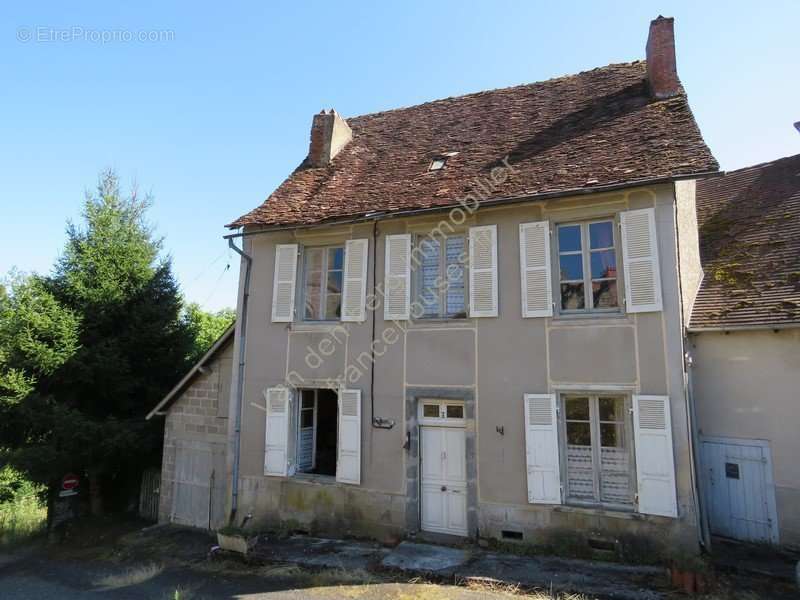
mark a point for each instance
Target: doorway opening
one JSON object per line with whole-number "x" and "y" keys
{"x": 317, "y": 432}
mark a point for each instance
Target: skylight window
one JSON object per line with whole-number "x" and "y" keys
{"x": 437, "y": 164}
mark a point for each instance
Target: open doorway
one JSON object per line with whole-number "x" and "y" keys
{"x": 317, "y": 432}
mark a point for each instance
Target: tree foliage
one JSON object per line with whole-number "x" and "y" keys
{"x": 206, "y": 327}
{"x": 87, "y": 351}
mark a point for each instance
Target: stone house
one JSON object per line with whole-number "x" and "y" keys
{"x": 744, "y": 341}
{"x": 467, "y": 318}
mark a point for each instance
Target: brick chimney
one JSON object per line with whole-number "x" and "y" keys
{"x": 661, "y": 70}
{"x": 329, "y": 134}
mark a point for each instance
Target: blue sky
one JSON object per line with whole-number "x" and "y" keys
{"x": 211, "y": 117}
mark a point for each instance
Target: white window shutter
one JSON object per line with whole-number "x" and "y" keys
{"x": 354, "y": 294}
{"x": 283, "y": 284}
{"x": 348, "y": 460}
{"x": 640, "y": 259}
{"x": 483, "y": 271}
{"x": 277, "y": 431}
{"x": 397, "y": 281}
{"x": 655, "y": 466}
{"x": 534, "y": 260}
{"x": 541, "y": 449}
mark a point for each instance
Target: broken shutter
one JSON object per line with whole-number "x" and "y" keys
{"x": 483, "y": 271}
{"x": 655, "y": 468}
{"x": 284, "y": 283}
{"x": 354, "y": 294}
{"x": 397, "y": 284}
{"x": 277, "y": 431}
{"x": 640, "y": 258}
{"x": 541, "y": 449}
{"x": 348, "y": 460}
{"x": 534, "y": 258}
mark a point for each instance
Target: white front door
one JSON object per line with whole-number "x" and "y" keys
{"x": 739, "y": 489}
{"x": 443, "y": 466}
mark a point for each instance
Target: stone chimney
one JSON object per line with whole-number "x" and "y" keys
{"x": 329, "y": 134}
{"x": 661, "y": 70}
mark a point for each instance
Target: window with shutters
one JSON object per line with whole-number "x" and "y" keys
{"x": 587, "y": 275}
{"x": 439, "y": 277}
{"x": 323, "y": 271}
{"x": 316, "y": 433}
{"x": 597, "y": 450}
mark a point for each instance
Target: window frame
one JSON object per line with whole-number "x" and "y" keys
{"x": 586, "y": 265}
{"x": 416, "y": 274}
{"x": 323, "y": 288}
{"x": 294, "y": 433}
{"x": 594, "y": 424}
{"x": 442, "y": 419}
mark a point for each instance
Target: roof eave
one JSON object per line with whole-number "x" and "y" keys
{"x": 371, "y": 216}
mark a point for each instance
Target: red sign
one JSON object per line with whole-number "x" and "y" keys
{"x": 70, "y": 482}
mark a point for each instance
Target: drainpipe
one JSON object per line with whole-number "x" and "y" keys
{"x": 237, "y": 432}
{"x": 704, "y": 534}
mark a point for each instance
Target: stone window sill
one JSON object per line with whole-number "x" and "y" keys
{"x": 600, "y": 512}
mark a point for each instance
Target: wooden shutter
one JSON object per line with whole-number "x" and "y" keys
{"x": 483, "y": 271}
{"x": 283, "y": 284}
{"x": 655, "y": 467}
{"x": 640, "y": 259}
{"x": 354, "y": 295}
{"x": 534, "y": 260}
{"x": 348, "y": 460}
{"x": 277, "y": 431}
{"x": 397, "y": 280}
{"x": 541, "y": 449}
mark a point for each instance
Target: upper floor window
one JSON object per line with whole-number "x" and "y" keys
{"x": 440, "y": 288}
{"x": 587, "y": 259}
{"x": 322, "y": 283}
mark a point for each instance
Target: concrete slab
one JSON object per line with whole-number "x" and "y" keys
{"x": 318, "y": 552}
{"x": 425, "y": 558}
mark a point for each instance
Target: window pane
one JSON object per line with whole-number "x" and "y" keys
{"x": 314, "y": 259}
{"x": 571, "y": 266}
{"x": 601, "y": 235}
{"x": 611, "y": 435}
{"x": 308, "y": 398}
{"x": 333, "y": 306}
{"x": 604, "y": 264}
{"x": 455, "y": 411}
{"x": 577, "y": 408}
{"x": 430, "y": 410}
{"x": 429, "y": 279}
{"x": 569, "y": 238}
{"x": 454, "y": 276}
{"x": 306, "y": 418}
{"x": 312, "y": 302}
{"x": 335, "y": 258}
{"x": 579, "y": 434}
{"x": 335, "y": 282}
{"x": 572, "y": 296}
{"x": 604, "y": 294}
{"x": 611, "y": 409}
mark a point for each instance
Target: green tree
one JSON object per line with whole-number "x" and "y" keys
{"x": 87, "y": 415}
{"x": 206, "y": 327}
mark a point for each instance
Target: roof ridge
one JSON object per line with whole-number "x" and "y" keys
{"x": 760, "y": 165}
{"x": 493, "y": 90}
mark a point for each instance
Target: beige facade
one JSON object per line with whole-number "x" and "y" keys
{"x": 746, "y": 387}
{"x": 489, "y": 362}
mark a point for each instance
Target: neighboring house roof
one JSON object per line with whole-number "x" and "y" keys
{"x": 749, "y": 223}
{"x": 222, "y": 342}
{"x": 594, "y": 130}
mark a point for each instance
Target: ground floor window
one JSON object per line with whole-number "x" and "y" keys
{"x": 317, "y": 434}
{"x": 597, "y": 435}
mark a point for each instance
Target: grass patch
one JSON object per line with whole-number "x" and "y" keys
{"x": 131, "y": 576}
{"x": 22, "y": 513}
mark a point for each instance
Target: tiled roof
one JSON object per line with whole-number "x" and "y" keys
{"x": 597, "y": 128}
{"x": 750, "y": 246}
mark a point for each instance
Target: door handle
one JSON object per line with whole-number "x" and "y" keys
{"x": 444, "y": 488}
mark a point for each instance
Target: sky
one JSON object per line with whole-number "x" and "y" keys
{"x": 208, "y": 106}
